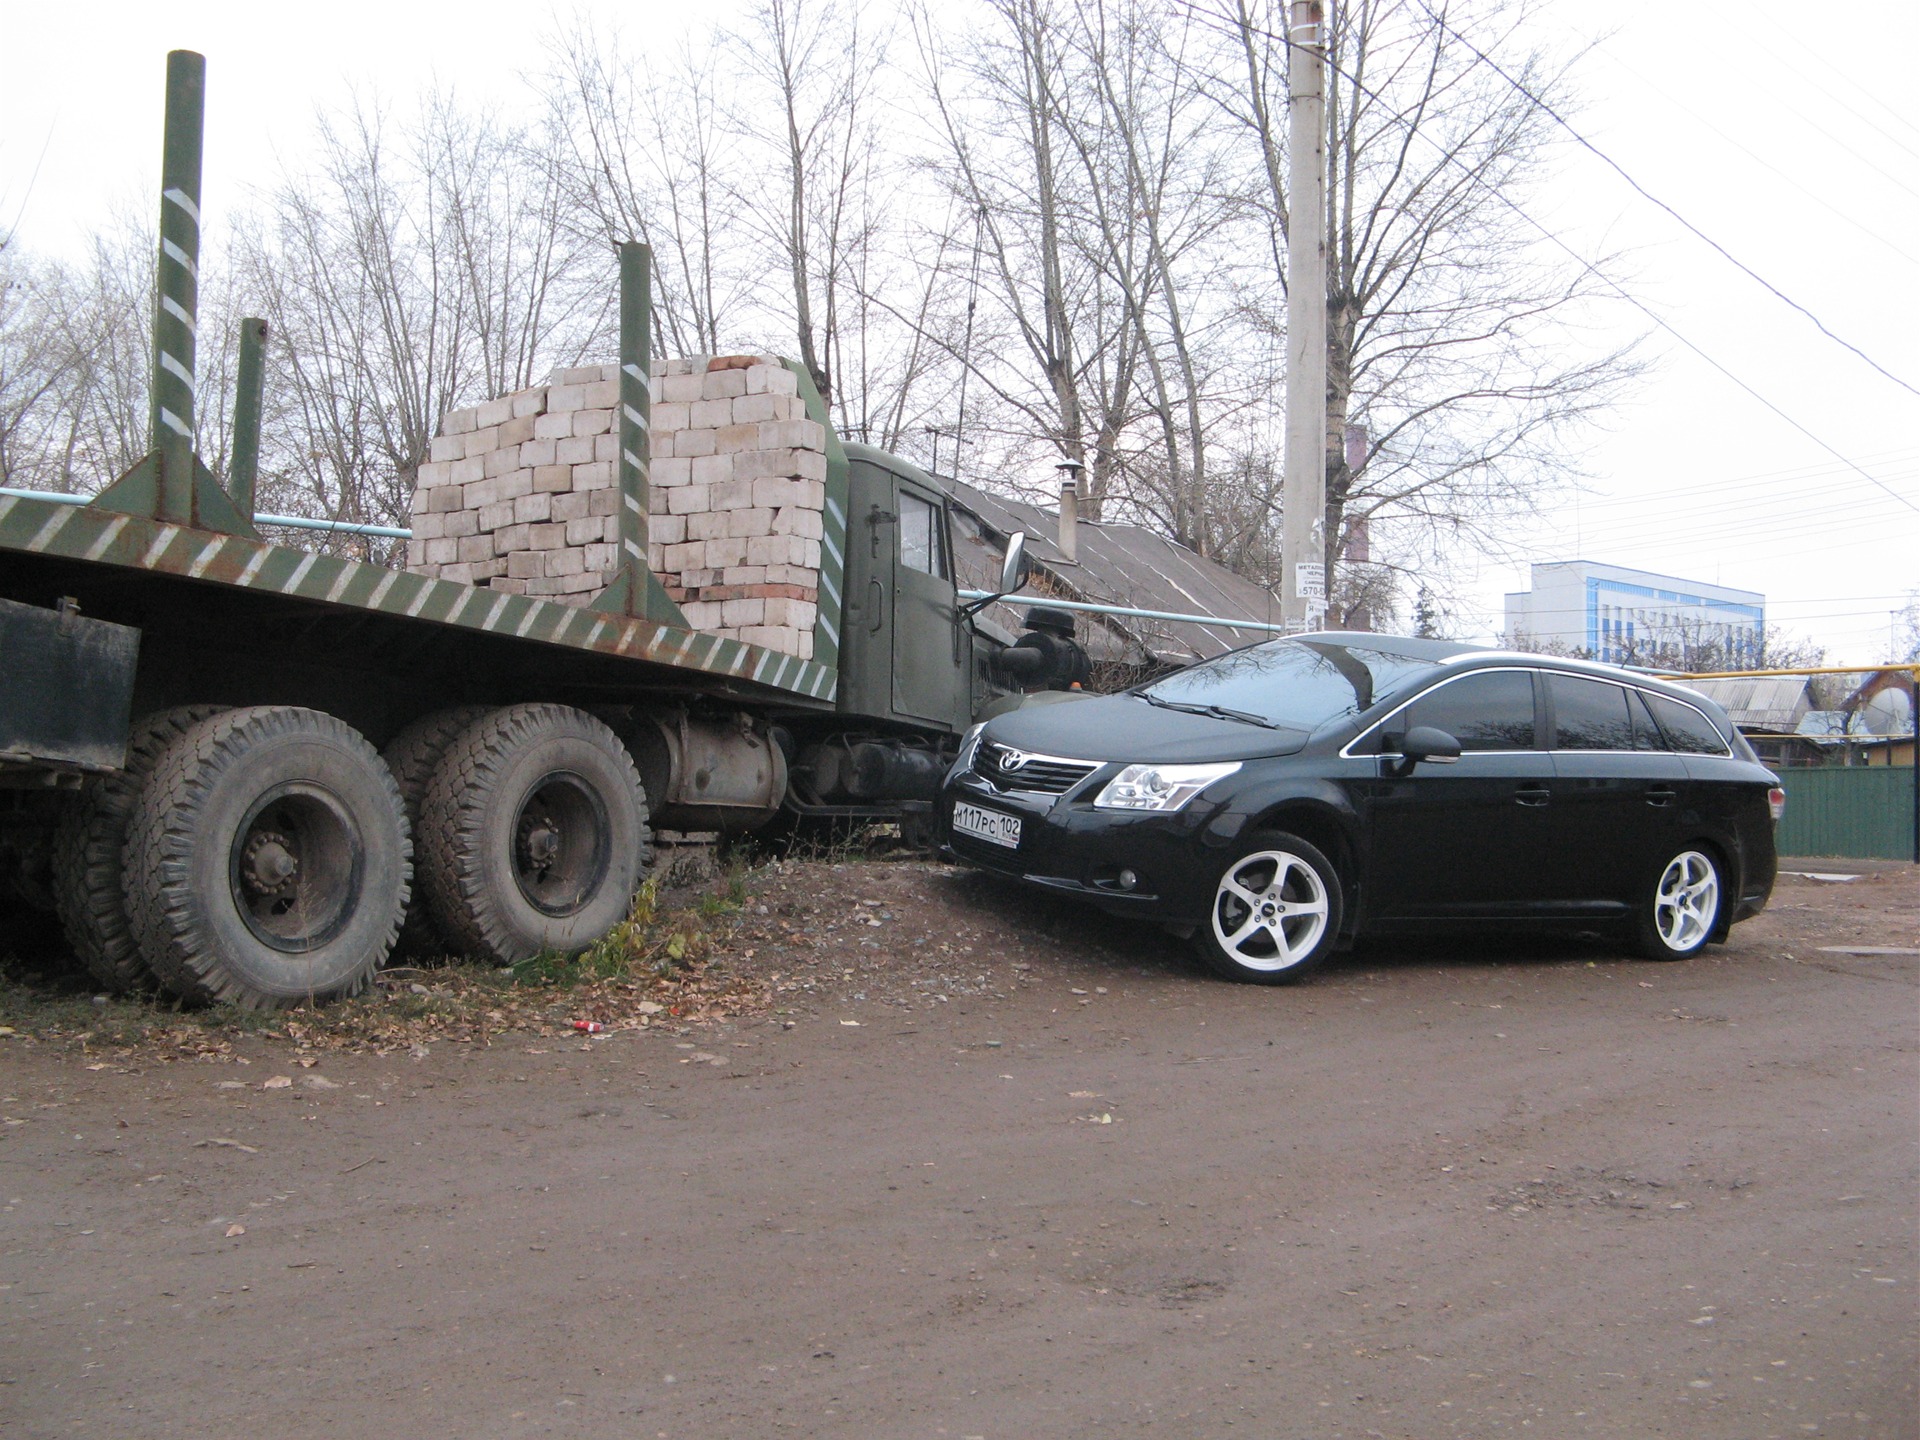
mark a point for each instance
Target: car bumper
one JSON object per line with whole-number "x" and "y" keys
{"x": 1069, "y": 848}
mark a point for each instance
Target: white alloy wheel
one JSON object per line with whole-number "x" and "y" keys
{"x": 1686, "y": 903}
{"x": 1272, "y": 911}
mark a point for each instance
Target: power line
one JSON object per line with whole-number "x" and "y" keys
{"x": 1578, "y": 259}
{"x": 1653, "y": 199}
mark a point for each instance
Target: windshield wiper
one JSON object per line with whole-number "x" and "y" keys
{"x": 1219, "y": 712}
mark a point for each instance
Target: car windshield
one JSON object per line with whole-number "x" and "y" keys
{"x": 1299, "y": 684}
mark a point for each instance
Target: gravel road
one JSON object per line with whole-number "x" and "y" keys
{"x": 992, "y": 1168}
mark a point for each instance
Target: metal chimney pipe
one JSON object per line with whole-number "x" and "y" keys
{"x": 1069, "y": 537}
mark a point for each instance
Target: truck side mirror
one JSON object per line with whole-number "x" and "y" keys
{"x": 1015, "y": 569}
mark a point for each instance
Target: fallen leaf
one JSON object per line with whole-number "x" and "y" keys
{"x": 277, "y": 1082}
{"x": 225, "y": 1145}
{"x": 850, "y": 1022}
{"x": 233, "y": 1230}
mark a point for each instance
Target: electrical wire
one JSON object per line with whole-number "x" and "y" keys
{"x": 1656, "y": 201}
{"x": 1578, "y": 259}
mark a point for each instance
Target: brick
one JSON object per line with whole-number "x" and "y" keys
{"x": 459, "y": 523}
{"x": 601, "y": 395}
{"x": 493, "y": 517}
{"x": 750, "y": 521}
{"x": 782, "y": 381}
{"x": 767, "y": 464}
{"x": 459, "y": 422}
{"x": 665, "y": 474}
{"x": 676, "y": 387}
{"x": 573, "y": 450}
{"x": 686, "y": 500}
{"x": 706, "y": 525}
{"x": 799, "y": 614}
{"x": 764, "y": 550}
{"x": 696, "y": 442}
{"x": 459, "y": 572}
{"x": 443, "y": 498}
{"x": 416, "y": 553}
{"x": 701, "y": 615}
{"x": 668, "y": 529}
{"x": 547, "y": 537}
{"x": 603, "y": 502}
{"x": 789, "y": 407}
{"x": 534, "y": 507}
{"x": 712, "y": 470}
{"x": 486, "y": 570}
{"x": 683, "y": 558}
{"x": 751, "y": 409}
{"x": 517, "y": 431}
{"x": 671, "y": 415}
{"x": 566, "y": 397}
{"x": 748, "y": 579}
{"x": 778, "y": 494}
{"x": 577, "y": 375}
{"x": 526, "y": 564}
{"x": 590, "y": 530}
{"x": 552, "y": 426}
{"x": 797, "y": 520}
{"x": 599, "y": 556}
{"x": 723, "y": 384}
{"x": 769, "y": 637}
{"x": 811, "y": 465}
{"x": 480, "y": 495}
{"x": 474, "y": 547}
{"x": 743, "y": 612}
{"x": 544, "y": 588}
{"x": 446, "y": 447}
{"x": 736, "y": 437}
{"x": 724, "y": 552}
{"x": 553, "y": 479}
{"x": 515, "y": 483}
{"x": 757, "y": 379}
{"x": 492, "y": 412}
{"x": 499, "y": 462}
{"x": 569, "y": 505}
{"x": 432, "y": 474}
{"x": 512, "y": 538}
{"x": 699, "y": 579}
{"x": 530, "y": 402}
{"x": 507, "y": 586}
{"x": 535, "y": 453}
{"x": 465, "y": 472}
{"x": 592, "y": 422}
{"x": 606, "y": 449}
{"x": 565, "y": 562}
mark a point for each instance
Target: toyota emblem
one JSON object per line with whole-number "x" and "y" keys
{"x": 1013, "y": 759}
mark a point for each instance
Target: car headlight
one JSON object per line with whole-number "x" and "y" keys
{"x": 1160, "y": 787}
{"x": 969, "y": 743}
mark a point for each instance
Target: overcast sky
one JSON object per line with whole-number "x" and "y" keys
{"x": 1790, "y": 135}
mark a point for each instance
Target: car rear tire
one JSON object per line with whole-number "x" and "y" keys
{"x": 1275, "y": 913}
{"x": 268, "y": 860}
{"x": 533, "y": 834}
{"x": 1682, "y": 910}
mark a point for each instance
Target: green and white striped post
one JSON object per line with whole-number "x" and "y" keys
{"x": 243, "y": 464}
{"x": 170, "y": 483}
{"x": 634, "y": 589}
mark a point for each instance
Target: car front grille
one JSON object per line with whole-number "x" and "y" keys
{"x": 1035, "y": 774}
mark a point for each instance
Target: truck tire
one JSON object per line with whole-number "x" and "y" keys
{"x": 534, "y": 834}
{"x": 268, "y": 861}
{"x": 413, "y": 755}
{"x": 87, "y": 849}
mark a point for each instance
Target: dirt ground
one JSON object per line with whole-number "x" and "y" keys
{"x": 980, "y": 1165}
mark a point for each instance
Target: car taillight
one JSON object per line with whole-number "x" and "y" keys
{"x": 1777, "y": 803}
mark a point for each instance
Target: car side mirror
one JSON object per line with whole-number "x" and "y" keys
{"x": 1015, "y": 569}
{"x": 1430, "y": 744}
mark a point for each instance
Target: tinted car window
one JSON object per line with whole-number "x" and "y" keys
{"x": 1589, "y": 714}
{"x": 1292, "y": 683}
{"x": 1686, "y": 729}
{"x": 1646, "y": 734}
{"x": 1493, "y": 711}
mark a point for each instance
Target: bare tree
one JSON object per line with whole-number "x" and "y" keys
{"x": 1454, "y": 329}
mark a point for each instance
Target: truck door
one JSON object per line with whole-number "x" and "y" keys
{"x": 929, "y": 654}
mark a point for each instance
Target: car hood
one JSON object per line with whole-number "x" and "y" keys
{"x": 1124, "y": 727}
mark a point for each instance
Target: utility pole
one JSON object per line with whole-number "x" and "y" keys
{"x": 1303, "y": 563}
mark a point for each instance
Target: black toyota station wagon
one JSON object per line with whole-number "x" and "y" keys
{"x": 1281, "y": 800}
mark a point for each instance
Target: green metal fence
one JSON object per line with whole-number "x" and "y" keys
{"x": 1865, "y": 812}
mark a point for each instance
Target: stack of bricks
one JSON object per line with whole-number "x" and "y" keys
{"x": 521, "y": 495}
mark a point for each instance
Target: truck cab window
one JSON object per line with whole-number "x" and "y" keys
{"x": 922, "y": 544}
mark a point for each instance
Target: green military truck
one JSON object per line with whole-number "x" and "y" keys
{"x": 241, "y": 770}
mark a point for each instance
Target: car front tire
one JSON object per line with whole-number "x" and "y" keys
{"x": 1682, "y": 912}
{"x": 1275, "y": 913}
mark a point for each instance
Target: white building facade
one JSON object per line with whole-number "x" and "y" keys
{"x": 1616, "y": 614}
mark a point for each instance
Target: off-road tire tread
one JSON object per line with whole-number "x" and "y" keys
{"x": 413, "y": 755}
{"x": 159, "y": 913}
{"x": 89, "y": 842}
{"x": 448, "y": 869}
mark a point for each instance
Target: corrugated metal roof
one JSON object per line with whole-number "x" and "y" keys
{"x": 1122, "y": 565}
{"x": 1773, "y": 703}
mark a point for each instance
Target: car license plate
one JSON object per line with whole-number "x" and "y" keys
{"x": 989, "y": 825}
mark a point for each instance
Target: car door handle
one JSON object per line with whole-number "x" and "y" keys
{"x": 1532, "y": 795}
{"x": 877, "y": 598}
{"x": 1660, "y": 796}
